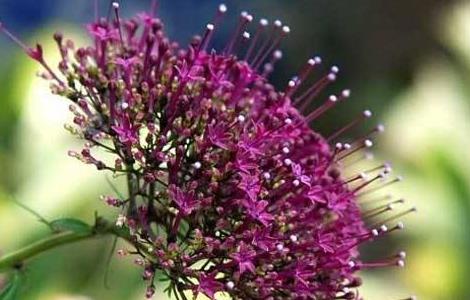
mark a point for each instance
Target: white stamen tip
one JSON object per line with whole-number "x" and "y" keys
{"x": 384, "y": 228}
{"x": 368, "y": 143}
{"x": 293, "y": 238}
{"x": 317, "y": 59}
{"x": 291, "y": 83}
{"x": 380, "y": 128}
{"x": 331, "y": 77}
{"x": 402, "y": 254}
{"x": 115, "y": 5}
{"x": 375, "y": 232}
{"x": 335, "y": 69}
{"x": 286, "y": 29}
{"x": 241, "y": 118}
{"x": 277, "y": 54}
{"x": 351, "y": 264}
{"x": 264, "y": 22}
{"x": 311, "y": 62}
{"x": 249, "y": 18}
{"x": 246, "y": 35}
{"x": 244, "y": 14}
{"x": 346, "y": 93}
{"x": 230, "y": 285}
{"x": 288, "y": 121}
{"x": 401, "y": 263}
{"x": 287, "y": 162}
{"x": 280, "y": 247}
{"x": 266, "y": 175}
{"x": 285, "y": 150}
{"x": 367, "y": 113}
{"x": 222, "y": 8}
{"x": 333, "y": 98}
{"x": 347, "y": 146}
{"x": 296, "y": 182}
{"x": 339, "y": 146}
{"x": 364, "y": 176}
{"x": 278, "y": 23}
{"x": 210, "y": 26}
{"x": 197, "y": 165}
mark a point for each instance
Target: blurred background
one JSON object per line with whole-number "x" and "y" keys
{"x": 408, "y": 61}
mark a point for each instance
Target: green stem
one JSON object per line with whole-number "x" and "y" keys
{"x": 16, "y": 258}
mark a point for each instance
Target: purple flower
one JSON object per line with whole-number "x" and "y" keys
{"x": 225, "y": 175}
{"x": 185, "y": 201}
{"x": 244, "y": 259}
{"x": 208, "y": 285}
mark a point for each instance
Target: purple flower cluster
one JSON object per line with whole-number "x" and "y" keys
{"x": 229, "y": 189}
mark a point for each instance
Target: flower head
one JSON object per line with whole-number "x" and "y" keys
{"x": 229, "y": 186}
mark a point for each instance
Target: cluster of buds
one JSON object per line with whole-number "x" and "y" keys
{"x": 229, "y": 189}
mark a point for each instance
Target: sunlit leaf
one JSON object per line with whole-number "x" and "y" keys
{"x": 70, "y": 224}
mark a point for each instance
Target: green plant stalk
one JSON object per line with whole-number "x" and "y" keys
{"x": 16, "y": 258}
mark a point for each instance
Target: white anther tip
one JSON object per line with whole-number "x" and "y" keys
{"x": 368, "y": 143}
{"x": 402, "y": 254}
{"x": 311, "y": 62}
{"x": 296, "y": 182}
{"x": 380, "y": 128}
{"x": 293, "y": 238}
{"x": 367, "y": 113}
{"x": 335, "y": 69}
{"x": 222, "y": 8}
{"x": 115, "y": 5}
{"x": 241, "y": 118}
{"x": 333, "y": 98}
{"x": 375, "y": 232}
{"x": 277, "y": 54}
{"x": 197, "y": 165}
{"x": 246, "y": 35}
{"x": 278, "y": 23}
{"x": 346, "y": 93}
{"x": 264, "y": 22}
{"x": 230, "y": 285}
{"x": 210, "y": 26}
{"x": 286, "y": 29}
{"x": 317, "y": 59}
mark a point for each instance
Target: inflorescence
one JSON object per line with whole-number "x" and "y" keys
{"x": 229, "y": 188}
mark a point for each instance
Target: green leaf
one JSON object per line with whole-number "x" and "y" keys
{"x": 12, "y": 289}
{"x": 70, "y": 224}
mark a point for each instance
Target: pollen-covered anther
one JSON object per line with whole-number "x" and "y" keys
{"x": 210, "y": 27}
{"x": 367, "y": 113}
{"x": 197, "y": 165}
{"x": 293, "y": 238}
{"x": 115, "y": 5}
{"x": 223, "y": 8}
{"x": 230, "y": 285}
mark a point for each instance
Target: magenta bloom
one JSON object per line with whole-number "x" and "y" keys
{"x": 230, "y": 188}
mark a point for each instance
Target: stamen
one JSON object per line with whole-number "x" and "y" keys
{"x": 397, "y": 216}
{"x": 118, "y": 21}
{"x": 263, "y": 23}
{"x": 332, "y": 100}
{"x": 316, "y": 88}
{"x": 277, "y": 25}
{"x": 206, "y": 38}
{"x": 285, "y": 30}
{"x": 308, "y": 68}
{"x": 397, "y": 179}
{"x": 365, "y": 115}
{"x": 269, "y": 67}
{"x": 245, "y": 19}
